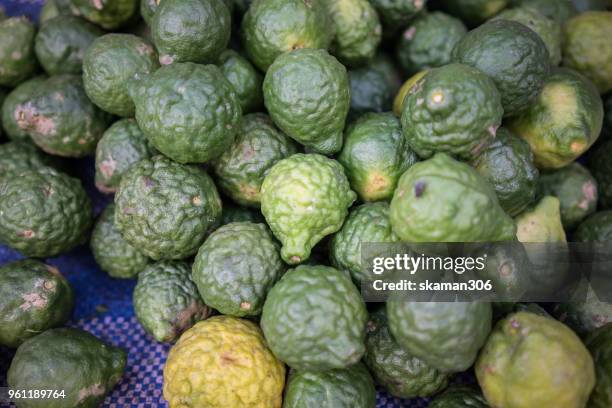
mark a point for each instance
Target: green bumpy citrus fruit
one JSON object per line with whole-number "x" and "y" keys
{"x": 34, "y": 297}
{"x": 454, "y": 109}
{"x": 368, "y": 223}
{"x": 304, "y": 198}
{"x": 542, "y": 223}
{"x": 121, "y": 145}
{"x": 357, "y": 31}
{"x": 514, "y": 368}
{"x": 166, "y": 209}
{"x": 350, "y": 387}
{"x": 576, "y": 190}
{"x": 245, "y": 79}
{"x": 443, "y": 200}
{"x": 307, "y": 94}
{"x": 17, "y": 57}
{"x": 445, "y": 335}
{"x": 563, "y": 121}
{"x": 314, "y": 319}
{"x": 108, "y": 14}
{"x": 43, "y": 212}
{"x": 373, "y": 86}
{"x": 600, "y": 164}
{"x": 557, "y": 10}
{"x": 548, "y": 29}
{"x": 374, "y": 155}
{"x": 166, "y": 300}
{"x": 428, "y": 41}
{"x": 513, "y": 55}
{"x": 17, "y": 156}
{"x": 241, "y": 372}
{"x": 190, "y": 30}
{"x": 189, "y": 112}
{"x": 241, "y": 169}
{"x": 236, "y": 267}
{"x": 474, "y": 12}
{"x": 10, "y": 116}
{"x": 60, "y": 118}
{"x": 85, "y": 368}
{"x": 111, "y": 251}
{"x": 272, "y": 27}
{"x": 111, "y": 64}
{"x": 394, "y": 368}
{"x": 587, "y": 49}
{"x": 508, "y": 164}
{"x": 596, "y": 228}
{"x": 61, "y": 44}
{"x": 395, "y": 14}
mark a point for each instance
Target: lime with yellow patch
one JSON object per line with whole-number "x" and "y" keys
{"x": 564, "y": 120}
{"x": 587, "y": 47}
{"x": 398, "y": 102}
{"x": 241, "y": 372}
{"x": 375, "y": 155}
{"x": 541, "y": 223}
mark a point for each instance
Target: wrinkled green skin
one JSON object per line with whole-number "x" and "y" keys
{"x": 112, "y": 253}
{"x": 33, "y": 298}
{"x": 54, "y": 8}
{"x": 400, "y": 373}
{"x": 241, "y": 169}
{"x": 165, "y": 209}
{"x": 558, "y": 10}
{"x": 507, "y": 267}
{"x": 189, "y": 112}
{"x": 370, "y": 90}
{"x": 147, "y": 10}
{"x": 513, "y": 55}
{"x": 454, "y": 109}
{"x": 191, "y": 30}
{"x": 236, "y": 267}
{"x": 43, "y": 212}
{"x": 17, "y": 96}
{"x": 108, "y": 14}
{"x": 586, "y": 312}
{"x": 599, "y": 344}
{"x": 122, "y": 145}
{"x": 18, "y": 156}
{"x": 111, "y": 64}
{"x": 304, "y": 198}
{"x": 61, "y": 43}
{"x": 232, "y": 213}
{"x": 459, "y": 396}
{"x": 307, "y": 95}
{"x": 395, "y": 14}
{"x": 508, "y": 164}
{"x": 474, "y": 12}
{"x": 84, "y": 367}
{"x": 445, "y": 335}
{"x": 272, "y": 27}
{"x": 428, "y": 42}
{"x": 366, "y": 223}
{"x": 328, "y": 336}
{"x": 576, "y": 190}
{"x": 514, "y": 368}
{"x": 595, "y": 228}
{"x": 17, "y": 58}
{"x": 563, "y": 121}
{"x": 60, "y": 118}
{"x": 425, "y": 206}
{"x": 548, "y": 29}
{"x": 166, "y": 300}
{"x": 245, "y": 79}
{"x": 350, "y": 387}
{"x": 600, "y": 164}
{"x": 375, "y": 155}
{"x": 587, "y": 49}
{"x": 357, "y": 31}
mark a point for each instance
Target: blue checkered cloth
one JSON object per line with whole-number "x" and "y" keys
{"x": 104, "y": 305}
